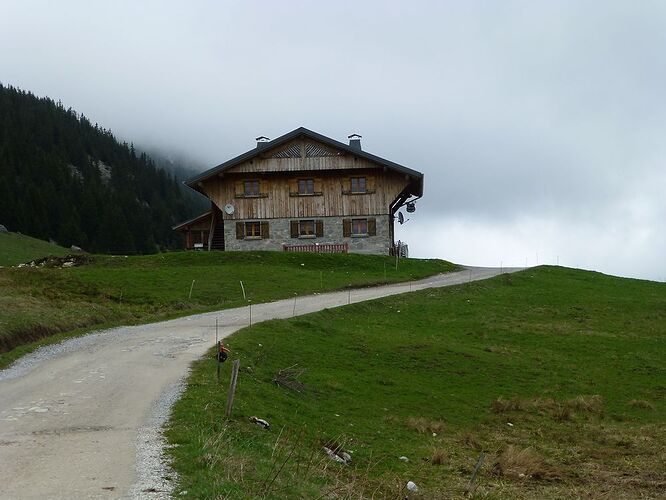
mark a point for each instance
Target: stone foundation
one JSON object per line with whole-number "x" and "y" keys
{"x": 280, "y": 234}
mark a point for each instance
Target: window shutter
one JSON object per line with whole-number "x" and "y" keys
{"x": 372, "y": 227}
{"x": 346, "y": 187}
{"x": 293, "y": 187}
{"x": 370, "y": 184}
{"x": 264, "y": 230}
{"x": 240, "y": 233}
{"x": 346, "y": 228}
{"x": 239, "y": 189}
{"x": 294, "y": 228}
{"x": 319, "y": 228}
{"x": 318, "y": 186}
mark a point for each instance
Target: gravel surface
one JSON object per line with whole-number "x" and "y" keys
{"x": 83, "y": 418}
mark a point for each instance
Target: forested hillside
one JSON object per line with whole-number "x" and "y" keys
{"x": 63, "y": 178}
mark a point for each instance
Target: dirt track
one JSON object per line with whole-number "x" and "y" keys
{"x": 82, "y": 419}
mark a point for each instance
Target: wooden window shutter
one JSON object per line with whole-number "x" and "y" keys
{"x": 294, "y": 228}
{"x": 319, "y": 228}
{"x": 346, "y": 228}
{"x": 370, "y": 184}
{"x": 318, "y": 186}
{"x": 293, "y": 187}
{"x": 372, "y": 227}
{"x": 240, "y": 231}
{"x": 346, "y": 188}
{"x": 264, "y": 230}
{"x": 239, "y": 189}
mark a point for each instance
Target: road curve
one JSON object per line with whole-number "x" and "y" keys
{"x": 82, "y": 419}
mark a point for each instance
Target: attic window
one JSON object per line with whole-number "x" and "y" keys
{"x": 251, "y": 188}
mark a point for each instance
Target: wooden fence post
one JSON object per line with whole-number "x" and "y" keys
{"x": 471, "y": 487}
{"x": 232, "y": 386}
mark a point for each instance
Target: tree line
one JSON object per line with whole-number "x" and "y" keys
{"x": 65, "y": 179}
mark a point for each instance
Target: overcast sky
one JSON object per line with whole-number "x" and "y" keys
{"x": 539, "y": 126}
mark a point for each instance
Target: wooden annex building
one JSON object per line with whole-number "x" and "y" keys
{"x": 302, "y": 192}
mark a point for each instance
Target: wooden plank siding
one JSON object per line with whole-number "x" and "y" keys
{"x": 277, "y": 200}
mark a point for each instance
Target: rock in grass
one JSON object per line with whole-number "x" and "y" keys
{"x": 411, "y": 486}
{"x": 3, "y": 229}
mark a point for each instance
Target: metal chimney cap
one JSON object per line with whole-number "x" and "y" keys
{"x": 262, "y": 138}
{"x": 354, "y": 136}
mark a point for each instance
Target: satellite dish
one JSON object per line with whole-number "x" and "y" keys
{"x": 401, "y": 218}
{"x": 229, "y": 208}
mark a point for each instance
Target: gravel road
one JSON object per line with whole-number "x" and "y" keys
{"x": 83, "y": 418}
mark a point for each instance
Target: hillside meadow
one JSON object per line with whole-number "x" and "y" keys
{"x": 17, "y": 248}
{"x": 553, "y": 377}
{"x": 40, "y": 305}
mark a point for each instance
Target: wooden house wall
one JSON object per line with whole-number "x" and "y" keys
{"x": 278, "y": 203}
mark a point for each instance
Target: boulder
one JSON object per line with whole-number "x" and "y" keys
{"x": 3, "y": 229}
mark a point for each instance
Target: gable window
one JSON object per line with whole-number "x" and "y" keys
{"x": 306, "y": 187}
{"x": 359, "y": 227}
{"x": 358, "y": 185}
{"x": 251, "y": 188}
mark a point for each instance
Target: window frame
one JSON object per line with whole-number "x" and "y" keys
{"x": 250, "y": 193}
{"x": 250, "y": 235}
{"x": 357, "y": 181}
{"x": 308, "y": 182}
{"x": 354, "y": 226}
{"x": 302, "y": 234}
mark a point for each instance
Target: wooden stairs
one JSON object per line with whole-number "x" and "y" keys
{"x": 217, "y": 236}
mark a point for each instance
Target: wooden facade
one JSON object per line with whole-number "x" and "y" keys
{"x": 263, "y": 185}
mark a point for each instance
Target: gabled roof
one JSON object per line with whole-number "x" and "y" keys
{"x": 192, "y": 221}
{"x": 416, "y": 186}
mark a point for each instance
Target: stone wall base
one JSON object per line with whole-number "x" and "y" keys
{"x": 280, "y": 234}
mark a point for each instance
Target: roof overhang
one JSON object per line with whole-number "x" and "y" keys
{"x": 415, "y": 186}
{"x": 198, "y": 218}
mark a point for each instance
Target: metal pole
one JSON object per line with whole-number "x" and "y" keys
{"x": 232, "y": 387}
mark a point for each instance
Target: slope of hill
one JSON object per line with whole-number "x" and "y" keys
{"x": 42, "y": 302}
{"x": 555, "y": 375}
{"x": 61, "y": 177}
{"x": 18, "y": 248}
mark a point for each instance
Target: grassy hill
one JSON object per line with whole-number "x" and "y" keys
{"x": 109, "y": 290}
{"x": 17, "y": 248}
{"x": 556, "y": 375}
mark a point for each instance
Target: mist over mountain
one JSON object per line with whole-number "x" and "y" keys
{"x": 66, "y": 179}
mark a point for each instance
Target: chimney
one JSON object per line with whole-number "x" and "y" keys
{"x": 262, "y": 140}
{"x": 355, "y": 141}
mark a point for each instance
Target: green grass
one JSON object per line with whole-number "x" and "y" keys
{"x": 36, "y": 303}
{"x": 573, "y": 360}
{"x": 17, "y": 248}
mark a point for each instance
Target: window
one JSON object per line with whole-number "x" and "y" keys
{"x": 251, "y": 188}
{"x": 305, "y": 186}
{"x": 252, "y": 230}
{"x": 358, "y": 185}
{"x": 306, "y": 227}
{"x": 359, "y": 227}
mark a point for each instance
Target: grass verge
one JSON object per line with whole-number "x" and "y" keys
{"x": 37, "y": 303}
{"x": 555, "y": 375}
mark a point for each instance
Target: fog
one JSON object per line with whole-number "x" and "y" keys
{"x": 538, "y": 125}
